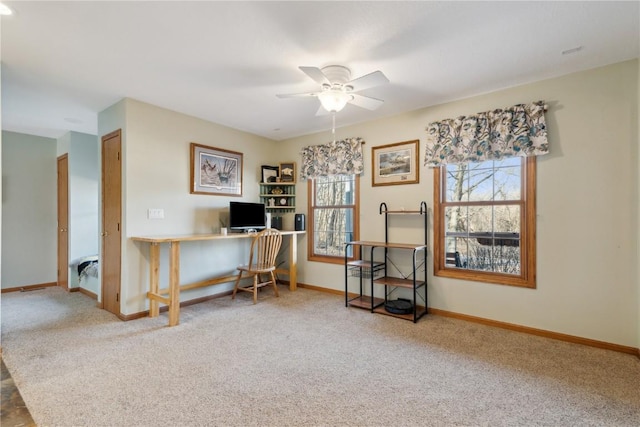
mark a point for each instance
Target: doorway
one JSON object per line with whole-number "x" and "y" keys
{"x": 111, "y": 221}
{"x": 63, "y": 222}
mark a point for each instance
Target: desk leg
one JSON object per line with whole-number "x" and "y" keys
{"x": 174, "y": 284}
{"x": 293, "y": 262}
{"x": 154, "y": 277}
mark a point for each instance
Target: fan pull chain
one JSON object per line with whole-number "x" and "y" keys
{"x": 333, "y": 128}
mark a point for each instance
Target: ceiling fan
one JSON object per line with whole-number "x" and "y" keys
{"x": 337, "y": 88}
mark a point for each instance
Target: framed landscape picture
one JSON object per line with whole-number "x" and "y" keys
{"x": 215, "y": 171}
{"x": 395, "y": 164}
{"x": 288, "y": 172}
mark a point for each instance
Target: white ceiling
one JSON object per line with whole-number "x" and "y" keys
{"x": 63, "y": 62}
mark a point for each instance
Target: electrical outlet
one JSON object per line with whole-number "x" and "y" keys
{"x": 155, "y": 214}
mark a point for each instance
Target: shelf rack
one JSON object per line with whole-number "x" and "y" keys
{"x": 377, "y": 272}
{"x": 287, "y": 196}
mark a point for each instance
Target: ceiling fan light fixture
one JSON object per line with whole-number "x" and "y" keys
{"x": 333, "y": 100}
{"x": 337, "y": 89}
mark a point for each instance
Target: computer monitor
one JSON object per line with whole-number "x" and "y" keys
{"x": 244, "y": 216}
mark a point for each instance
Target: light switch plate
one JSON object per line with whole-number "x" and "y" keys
{"x": 155, "y": 213}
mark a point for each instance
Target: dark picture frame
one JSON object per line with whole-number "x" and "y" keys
{"x": 395, "y": 164}
{"x": 270, "y": 173}
{"x": 288, "y": 172}
{"x": 215, "y": 171}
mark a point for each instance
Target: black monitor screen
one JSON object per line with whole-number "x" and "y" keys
{"x": 246, "y": 216}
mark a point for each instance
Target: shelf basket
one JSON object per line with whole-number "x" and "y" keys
{"x": 366, "y": 272}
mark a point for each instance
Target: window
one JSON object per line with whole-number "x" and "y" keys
{"x": 484, "y": 222}
{"x": 333, "y": 216}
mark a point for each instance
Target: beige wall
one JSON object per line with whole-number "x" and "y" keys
{"x": 587, "y": 207}
{"x": 156, "y": 156}
{"x": 29, "y": 210}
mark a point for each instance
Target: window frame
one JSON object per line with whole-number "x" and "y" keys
{"x": 527, "y": 276}
{"x": 311, "y": 255}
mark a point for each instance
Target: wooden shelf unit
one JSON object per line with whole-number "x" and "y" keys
{"x": 288, "y": 195}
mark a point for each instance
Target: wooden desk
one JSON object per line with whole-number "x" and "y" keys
{"x": 156, "y": 295}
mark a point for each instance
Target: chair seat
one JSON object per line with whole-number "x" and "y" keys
{"x": 257, "y": 268}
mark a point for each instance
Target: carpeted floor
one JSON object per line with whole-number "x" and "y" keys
{"x": 300, "y": 360}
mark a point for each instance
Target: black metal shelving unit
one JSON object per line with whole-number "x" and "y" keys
{"x": 377, "y": 272}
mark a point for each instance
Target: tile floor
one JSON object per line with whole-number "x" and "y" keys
{"x": 14, "y": 412}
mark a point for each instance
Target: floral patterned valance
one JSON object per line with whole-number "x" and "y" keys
{"x": 515, "y": 131}
{"x": 335, "y": 158}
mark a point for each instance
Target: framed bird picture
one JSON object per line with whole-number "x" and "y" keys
{"x": 288, "y": 172}
{"x": 215, "y": 171}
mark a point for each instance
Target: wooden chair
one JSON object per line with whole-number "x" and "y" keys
{"x": 262, "y": 260}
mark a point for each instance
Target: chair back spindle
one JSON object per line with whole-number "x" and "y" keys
{"x": 264, "y": 249}
{"x": 262, "y": 259}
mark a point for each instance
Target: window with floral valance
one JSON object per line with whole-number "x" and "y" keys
{"x": 333, "y": 185}
{"x": 485, "y": 193}
{"x": 335, "y": 158}
{"x": 519, "y": 130}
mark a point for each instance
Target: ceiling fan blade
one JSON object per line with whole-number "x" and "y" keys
{"x": 376, "y": 78}
{"x": 316, "y": 74}
{"x": 365, "y": 101}
{"x": 297, "y": 95}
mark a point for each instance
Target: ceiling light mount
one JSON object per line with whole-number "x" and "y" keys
{"x": 336, "y": 74}
{"x": 334, "y": 96}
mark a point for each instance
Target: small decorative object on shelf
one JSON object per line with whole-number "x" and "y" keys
{"x": 288, "y": 172}
{"x": 270, "y": 173}
{"x": 276, "y": 190}
{"x": 283, "y": 202}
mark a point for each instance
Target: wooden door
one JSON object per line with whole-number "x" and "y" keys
{"x": 63, "y": 221}
{"x": 111, "y": 221}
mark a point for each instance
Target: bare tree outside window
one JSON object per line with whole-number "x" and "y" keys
{"x": 483, "y": 215}
{"x": 333, "y": 213}
{"x": 485, "y": 221}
